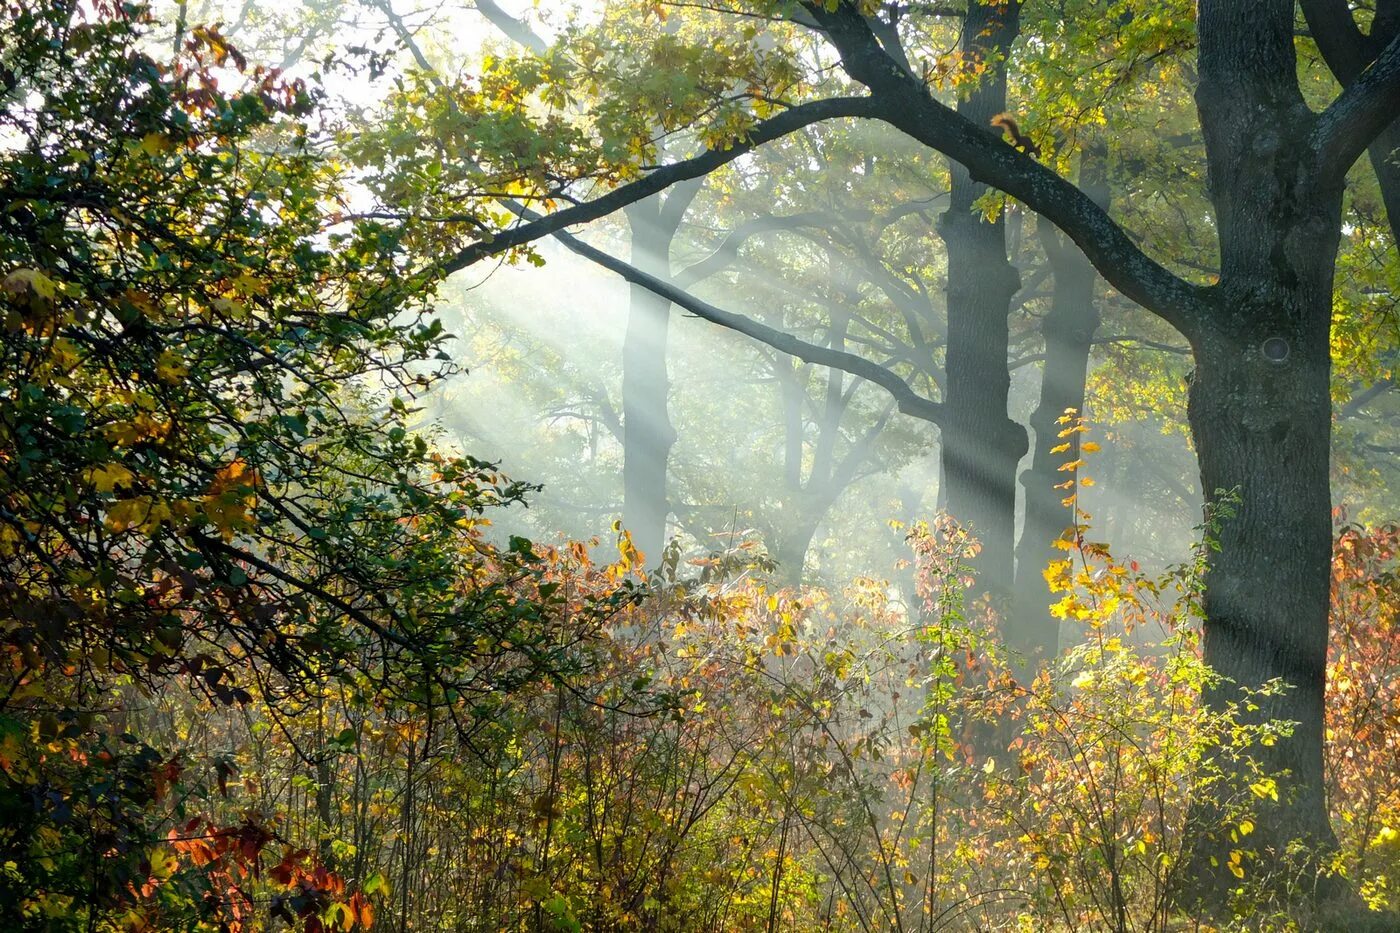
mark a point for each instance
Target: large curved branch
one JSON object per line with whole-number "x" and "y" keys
{"x": 1347, "y": 51}
{"x": 766, "y": 131}
{"x": 1342, "y": 43}
{"x": 1360, "y": 114}
{"x": 906, "y": 104}
{"x": 908, "y": 401}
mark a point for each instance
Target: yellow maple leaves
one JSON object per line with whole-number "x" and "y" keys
{"x": 29, "y": 286}
{"x": 171, "y": 367}
{"x": 143, "y": 513}
{"x": 142, "y": 427}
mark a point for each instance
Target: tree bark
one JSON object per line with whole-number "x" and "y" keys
{"x": 1260, "y": 413}
{"x": 1068, "y": 329}
{"x": 981, "y": 445}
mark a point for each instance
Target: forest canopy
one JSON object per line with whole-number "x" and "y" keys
{"x": 762, "y": 464}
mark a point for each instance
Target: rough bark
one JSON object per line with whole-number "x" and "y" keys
{"x": 1068, "y": 329}
{"x": 981, "y": 445}
{"x": 1260, "y": 410}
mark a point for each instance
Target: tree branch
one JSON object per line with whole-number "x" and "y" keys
{"x": 1362, "y": 111}
{"x": 728, "y": 250}
{"x": 516, "y": 30}
{"x": 766, "y": 131}
{"x": 905, "y": 103}
{"x": 908, "y": 401}
{"x": 1341, "y": 42}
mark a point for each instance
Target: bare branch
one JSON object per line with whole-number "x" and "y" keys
{"x": 907, "y": 400}
{"x": 514, "y": 29}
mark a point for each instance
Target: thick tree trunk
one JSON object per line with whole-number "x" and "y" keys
{"x": 1262, "y": 429}
{"x": 1068, "y": 329}
{"x": 1261, "y": 419}
{"x": 981, "y": 445}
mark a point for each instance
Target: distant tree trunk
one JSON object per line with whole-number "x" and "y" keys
{"x": 981, "y": 445}
{"x": 646, "y": 424}
{"x": 795, "y": 539}
{"x": 810, "y": 493}
{"x": 1068, "y": 330}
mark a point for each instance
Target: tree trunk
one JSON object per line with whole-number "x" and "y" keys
{"x": 794, "y": 540}
{"x": 981, "y": 445}
{"x": 1263, "y": 430}
{"x": 647, "y": 431}
{"x": 1260, "y": 416}
{"x": 1068, "y": 329}
{"x": 646, "y": 424}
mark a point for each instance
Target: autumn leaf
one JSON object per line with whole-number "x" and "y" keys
{"x": 171, "y": 367}
{"x": 141, "y": 512}
{"x": 230, "y": 498}
{"x": 109, "y": 476}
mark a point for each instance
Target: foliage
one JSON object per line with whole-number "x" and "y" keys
{"x": 198, "y": 485}
{"x": 1363, "y": 767}
{"x": 266, "y": 662}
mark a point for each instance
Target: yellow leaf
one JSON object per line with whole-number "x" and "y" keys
{"x": 163, "y": 863}
{"x": 126, "y": 513}
{"x": 171, "y": 368}
{"x": 1089, "y": 447}
{"x": 29, "y": 286}
{"x": 249, "y": 284}
{"x": 109, "y": 476}
{"x": 141, "y": 301}
{"x": 141, "y": 512}
{"x": 154, "y": 144}
{"x": 1059, "y": 448}
{"x": 229, "y": 307}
